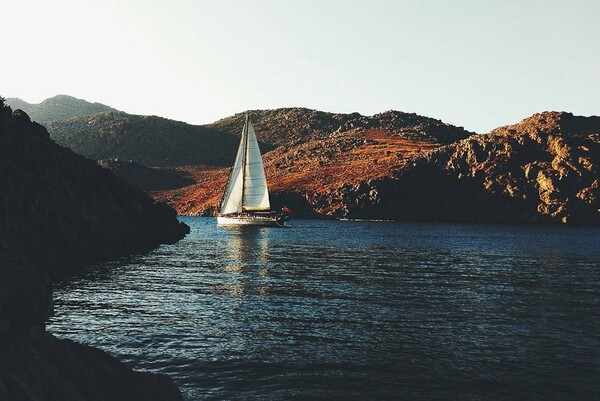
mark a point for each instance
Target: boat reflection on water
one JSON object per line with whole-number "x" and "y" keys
{"x": 247, "y": 260}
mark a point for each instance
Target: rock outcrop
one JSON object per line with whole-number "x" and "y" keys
{"x": 38, "y": 366}
{"x": 64, "y": 210}
{"x": 541, "y": 170}
{"x": 25, "y": 295}
{"x": 58, "y": 212}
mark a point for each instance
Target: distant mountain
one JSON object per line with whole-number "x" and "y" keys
{"x": 59, "y": 107}
{"x": 544, "y": 169}
{"x": 292, "y": 126}
{"x": 16, "y": 103}
{"x": 159, "y": 142}
{"x": 322, "y": 163}
{"x": 149, "y": 140}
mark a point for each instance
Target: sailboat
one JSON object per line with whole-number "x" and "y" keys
{"x": 246, "y": 198}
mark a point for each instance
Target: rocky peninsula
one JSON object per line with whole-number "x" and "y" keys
{"x": 60, "y": 212}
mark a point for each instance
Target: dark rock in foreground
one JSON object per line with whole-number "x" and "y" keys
{"x": 34, "y": 365}
{"x": 25, "y": 295}
{"x": 65, "y": 211}
{"x": 38, "y": 366}
{"x": 58, "y": 212}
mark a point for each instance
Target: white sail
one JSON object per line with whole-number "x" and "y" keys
{"x": 256, "y": 193}
{"x": 247, "y": 188}
{"x": 232, "y": 201}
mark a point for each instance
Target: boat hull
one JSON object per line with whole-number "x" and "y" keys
{"x": 249, "y": 221}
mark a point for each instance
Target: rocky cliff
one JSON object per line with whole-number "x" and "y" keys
{"x": 295, "y": 125}
{"x": 544, "y": 169}
{"x": 64, "y": 210}
{"x": 58, "y": 212}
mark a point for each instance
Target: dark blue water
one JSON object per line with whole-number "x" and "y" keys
{"x": 353, "y": 310}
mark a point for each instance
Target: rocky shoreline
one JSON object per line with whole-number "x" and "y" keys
{"x": 543, "y": 170}
{"x": 60, "y": 212}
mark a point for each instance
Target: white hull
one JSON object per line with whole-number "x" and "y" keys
{"x": 248, "y": 221}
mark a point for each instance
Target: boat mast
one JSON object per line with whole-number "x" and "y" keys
{"x": 244, "y": 157}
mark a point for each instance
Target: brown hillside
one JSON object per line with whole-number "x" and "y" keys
{"x": 312, "y": 166}
{"x": 544, "y": 169}
{"x": 291, "y": 126}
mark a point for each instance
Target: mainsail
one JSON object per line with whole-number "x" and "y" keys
{"x": 247, "y": 189}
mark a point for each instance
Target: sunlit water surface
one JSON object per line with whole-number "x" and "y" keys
{"x": 352, "y": 310}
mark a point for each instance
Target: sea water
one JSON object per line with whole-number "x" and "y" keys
{"x": 352, "y": 310}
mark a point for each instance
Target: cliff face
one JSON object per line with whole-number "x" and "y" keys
{"x": 59, "y": 211}
{"x": 64, "y": 210}
{"x": 541, "y": 170}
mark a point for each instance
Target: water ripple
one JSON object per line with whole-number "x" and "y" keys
{"x": 352, "y": 310}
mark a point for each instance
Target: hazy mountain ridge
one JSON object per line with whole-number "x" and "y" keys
{"x": 160, "y": 142}
{"x": 58, "y": 107}
{"x": 156, "y": 141}
{"x": 149, "y": 140}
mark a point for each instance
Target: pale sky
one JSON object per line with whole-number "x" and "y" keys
{"x": 473, "y": 63}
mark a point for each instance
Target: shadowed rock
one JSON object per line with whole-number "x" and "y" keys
{"x": 58, "y": 212}
{"x": 66, "y": 211}
{"x": 147, "y": 178}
